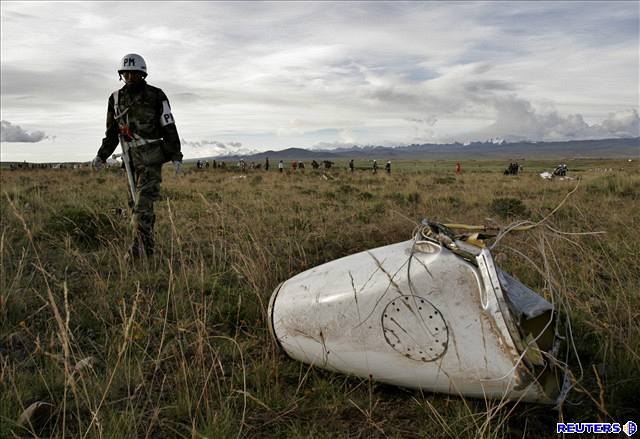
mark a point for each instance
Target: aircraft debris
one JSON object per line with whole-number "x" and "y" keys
{"x": 546, "y": 175}
{"x": 433, "y": 313}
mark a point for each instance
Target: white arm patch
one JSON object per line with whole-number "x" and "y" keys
{"x": 166, "y": 118}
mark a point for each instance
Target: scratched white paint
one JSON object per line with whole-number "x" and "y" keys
{"x": 411, "y": 314}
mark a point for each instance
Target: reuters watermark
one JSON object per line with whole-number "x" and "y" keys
{"x": 630, "y": 428}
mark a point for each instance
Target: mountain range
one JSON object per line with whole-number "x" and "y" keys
{"x": 601, "y": 148}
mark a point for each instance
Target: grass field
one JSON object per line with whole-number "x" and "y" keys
{"x": 178, "y": 346}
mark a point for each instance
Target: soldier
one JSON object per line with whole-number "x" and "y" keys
{"x": 387, "y": 167}
{"x": 351, "y": 165}
{"x": 139, "y": 117}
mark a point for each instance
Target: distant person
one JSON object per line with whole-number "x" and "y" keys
{"x": 266, "y": 164}
{"x": 561, "y": 170}
{"x": 315, "y": 164}
{"x": 301, "y": 166}
{"x": 139, "y": 117}
{"x": 351, "y": 165}
{"x": 280, "y": 166}
{"x": 375, "y": 166}
{"x": 387, "y": 167}
{"x": 512, "y": 169}
{"x": 294, "y": 165}
{"x": 507, "y": 171}
{"x": 458, "y": 168}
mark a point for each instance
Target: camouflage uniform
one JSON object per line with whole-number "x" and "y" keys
{"x": 141, "y": 116}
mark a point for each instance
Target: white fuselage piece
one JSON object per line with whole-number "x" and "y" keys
{"x": 411, "y": 314}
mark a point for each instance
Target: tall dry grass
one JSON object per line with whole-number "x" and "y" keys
{"x": 177, "y": 346}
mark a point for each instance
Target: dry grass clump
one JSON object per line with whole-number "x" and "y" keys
{"x": 177, "y": 346}
{"x": 508, "y": 208}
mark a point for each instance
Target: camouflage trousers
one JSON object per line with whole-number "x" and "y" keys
{"x": 148, "y": 179}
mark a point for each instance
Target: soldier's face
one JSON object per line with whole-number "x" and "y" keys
{"x": 132, "y": 78}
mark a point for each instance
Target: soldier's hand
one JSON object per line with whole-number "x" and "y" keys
{"x": 97, "y": 163}
{"x": 178, "y": 166}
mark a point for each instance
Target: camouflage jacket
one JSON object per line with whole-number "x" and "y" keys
{"x": 145, "y": 114}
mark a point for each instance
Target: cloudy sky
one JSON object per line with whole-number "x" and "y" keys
{"x": 257, "y": 76}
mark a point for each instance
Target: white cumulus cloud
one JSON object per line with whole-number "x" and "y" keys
{"x": 517, "y": 119}
{"x": 15, "y": 133}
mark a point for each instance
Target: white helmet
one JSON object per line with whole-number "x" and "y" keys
{"x": 133, "y": 62}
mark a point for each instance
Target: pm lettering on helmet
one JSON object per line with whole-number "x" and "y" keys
{"x": 133, "y": 62}
{"x": 166, "y": 118}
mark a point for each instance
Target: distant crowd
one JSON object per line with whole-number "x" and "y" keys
{"x": 241, "y": 165}
{"x": 293, "y": 165}
{"x": 27, "y": 165}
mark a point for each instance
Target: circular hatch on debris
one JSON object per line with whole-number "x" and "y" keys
{"x": 415, "y": 328}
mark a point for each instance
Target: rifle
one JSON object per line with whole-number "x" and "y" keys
{"x": 123, "y": 127}
{"x": 128, "y": 166}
